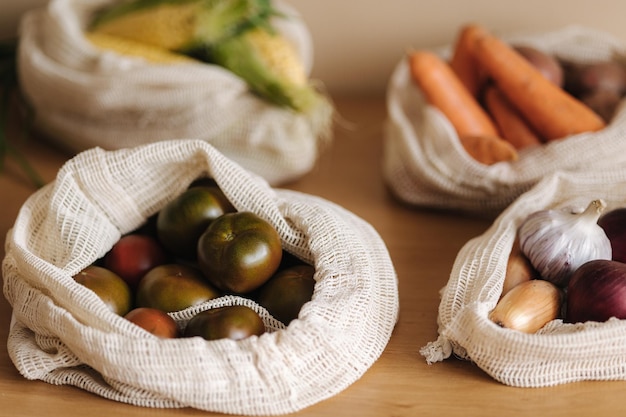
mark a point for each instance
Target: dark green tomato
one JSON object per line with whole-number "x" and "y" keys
{"x": 107, "y": 285}
{"x": 149, "y": 227}
{"x": 289, "y": 260}
{"x": 232, "y": 322}
{"x": 239, "y": 252}
{"x": 181, "y": 222}
{"x": 173, "y": 287}
{"x": 203, "y": 182}
{"x": 287, "y": 291}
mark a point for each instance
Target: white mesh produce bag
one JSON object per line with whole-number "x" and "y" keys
{"x": 85, "y": 97}
{"x": 62, "y": 333}
{"x": 560, "y": 352}
{"x": 425, "y": 164}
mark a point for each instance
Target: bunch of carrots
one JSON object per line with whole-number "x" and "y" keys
{"x": 496, "y": 100}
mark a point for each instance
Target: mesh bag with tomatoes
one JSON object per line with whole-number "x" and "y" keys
{"x": 63, "y": 333}
{"x": 426, "y": 164}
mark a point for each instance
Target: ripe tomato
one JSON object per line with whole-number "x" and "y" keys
{"x": 134, "y": 255}
{"x": 239, "y": 251}
{"x": 232, "y": 322}
{"x": 181, "y": 222}
{"x": 173, "y": 287}
{"x": 286, "y": 292}
{"x": 109, "y": 286}
{"x": 157, "y": 322}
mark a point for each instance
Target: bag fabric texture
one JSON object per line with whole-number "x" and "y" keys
{"x": 62, "y": 333}
{"x": 425, "y": 164}
{"x": 559, "y": 352}
{"x": 85, "y": 97}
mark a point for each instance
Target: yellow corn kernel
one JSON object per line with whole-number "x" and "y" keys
{"x": 168, "y": 26}
{"x": 280, "y": 55}
{"x": 138, "y": 49}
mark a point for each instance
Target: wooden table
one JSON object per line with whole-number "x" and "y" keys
{"x": 423, "y": 245}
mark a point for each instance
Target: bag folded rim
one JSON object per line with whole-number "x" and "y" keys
{"x": 285, "y": 370}
{"x": 558, "y": 353}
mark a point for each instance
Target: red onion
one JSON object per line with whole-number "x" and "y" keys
{"x": 614, "y": 225}
{"x": 597, "y": 292}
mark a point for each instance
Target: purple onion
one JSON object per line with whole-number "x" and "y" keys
{"x": 614, "y": 225}
{"x": 597, "y": 292}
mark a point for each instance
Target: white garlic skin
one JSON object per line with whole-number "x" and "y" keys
{"x": 557, "y": 242}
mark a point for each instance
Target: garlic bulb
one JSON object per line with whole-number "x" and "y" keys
{"x": 528, "y": 306}
{"x": 557, "y": 242}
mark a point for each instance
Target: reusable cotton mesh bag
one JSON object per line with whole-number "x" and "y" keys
{"x": 85, "y": 97}
{"x": 425, "y": 164}
{"x": 62, "y": 333}
{"x": 559, "y": 352}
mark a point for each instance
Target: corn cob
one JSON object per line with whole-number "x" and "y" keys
{"x": 181, "y": 24}
{"x": 164, "y": 25}
{"x": 235, "y": 34}
{"x": 128, "y": 47}
{"x": 270, "y": 65}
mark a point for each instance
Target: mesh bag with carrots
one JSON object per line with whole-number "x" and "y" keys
{"x": 450, "y": 153}
{"x": 62, "y": 333}
{"x": 91, "y": 88}
{"x": 559, "y": 352}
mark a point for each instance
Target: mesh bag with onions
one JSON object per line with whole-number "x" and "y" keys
{"x": 62, "y": 333}
{"x": 560, "y": 352}
{"x": 426, "y": 165}
{"x": 84, "y": 96}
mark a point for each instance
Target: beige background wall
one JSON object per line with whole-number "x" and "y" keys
{"x": 357, "y": 43}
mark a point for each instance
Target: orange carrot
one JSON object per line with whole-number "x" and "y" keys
{"x": 509, "y": 121}
{"x": 552, "y": 112}
{"x": 443, "y": 89}
{"x": 488, "y": 150}
{"x": 463, "y": 62}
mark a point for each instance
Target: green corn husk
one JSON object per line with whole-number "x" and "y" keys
{"x": 269, "y": 65}
{"x": 235, "y": 34}
{"x": 194, "y": 23}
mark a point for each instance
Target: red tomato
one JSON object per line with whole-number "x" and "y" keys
{"x": 133, "y": 256}
{"x": 155, "y": 321}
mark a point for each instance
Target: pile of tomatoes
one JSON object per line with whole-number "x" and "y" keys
{"x": 197, "y": 248}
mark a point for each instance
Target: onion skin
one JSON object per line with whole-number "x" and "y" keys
{"x": 614, "y": 225}
{"x": 597, "y": 292}
{"x": 528, "y": 306}
{"x": 518, "y": 269}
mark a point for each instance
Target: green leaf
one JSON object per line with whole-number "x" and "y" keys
{"x": 9, "y": 86}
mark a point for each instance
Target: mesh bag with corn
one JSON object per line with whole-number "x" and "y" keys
{"x": 232, "y": 72}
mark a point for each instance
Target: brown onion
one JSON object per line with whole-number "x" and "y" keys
{"x": 528, "y": 306}
{"x": 597, "y": 292}
{"x": 518, "y": 269}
